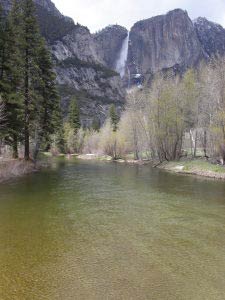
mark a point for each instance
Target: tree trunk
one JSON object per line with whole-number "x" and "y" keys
{"x": 26, "y": 111}
{"x": 136, "y": 155}
{"x": 36, "y": 150}
{"x": 205, "y": 144}
{"x": 115, "y": 151}
{"x": 195, "y": 143}
{"x": 135, "y": 140}
{"x": 136, "y": 152}
{"x": 15, "y": 147}
{"x": 191, "y": 141}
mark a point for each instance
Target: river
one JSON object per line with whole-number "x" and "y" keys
{"x": 102, "y": 231}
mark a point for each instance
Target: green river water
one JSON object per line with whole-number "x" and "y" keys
{"x": 107, "y": 231}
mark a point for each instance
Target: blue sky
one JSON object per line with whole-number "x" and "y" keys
{"x": 96, "y": 14}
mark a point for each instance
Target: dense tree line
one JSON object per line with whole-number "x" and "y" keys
{"x": 177, "y": 116}
{"x": 27, "y": 82}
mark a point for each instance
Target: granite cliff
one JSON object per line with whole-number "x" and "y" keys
{"x": 211, "y": 36}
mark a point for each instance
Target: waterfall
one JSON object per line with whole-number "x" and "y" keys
{"x": 121, "y": 62}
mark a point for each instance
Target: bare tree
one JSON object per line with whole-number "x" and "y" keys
{"x": 216, "y": 108}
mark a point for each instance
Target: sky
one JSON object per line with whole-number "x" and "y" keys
{"x": 97, "y": 14}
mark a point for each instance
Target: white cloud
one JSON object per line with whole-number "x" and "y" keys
{"x": 96, "y": 14}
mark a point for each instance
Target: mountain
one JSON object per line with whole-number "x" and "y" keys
{"x": 163, "y": 42}
{"x": 86, "y": 64}
{"x": 82, "y": 68}
{"x": 109, "y": 42}
{"x": 48, "y": 5}
{"x": 81, "y": 72}
{"x": 172, "y": 41}
{"x": 211, "y": 36}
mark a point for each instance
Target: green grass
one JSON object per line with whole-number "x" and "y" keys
{"x": 196, "y": 165}
{"x": 203, "y": 165}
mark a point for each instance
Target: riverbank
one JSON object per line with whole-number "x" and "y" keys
{"x": 110, "y": 159}
{"x": 199, "y": 167}
{"x": 16, "y": 168}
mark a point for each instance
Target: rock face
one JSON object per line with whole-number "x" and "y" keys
{"x": 49, "y": 6}
{"x": 163, "y": 42}
{"x": 46, "y": 4}
{"x": 211, "y": 36}
{"x": 172, "y": 41}
{"x": 78, "y": 43}
{"x": 83, "y": 72}
{"x": 109, "y": 42}
{"x": 6, "y": 5}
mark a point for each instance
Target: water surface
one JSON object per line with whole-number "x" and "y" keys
{"x": 109, "y": 231}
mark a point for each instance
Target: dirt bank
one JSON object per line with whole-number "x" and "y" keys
{"x": 15, "y": 168}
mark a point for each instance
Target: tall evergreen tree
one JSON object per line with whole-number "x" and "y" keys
{"x": 47, "y": 106}
{"x": 30, "y": 43}
{"x": 2, "y": 117}
{"x": 96, "y": 124}
{"x": 2, "y": 41}
{"x": 27, "y": 80}
{"x": 60, "y": 142}
{"x": 114, "y": 118}
{"x": 74, "y": 115}
{"x": 11, "y": 75}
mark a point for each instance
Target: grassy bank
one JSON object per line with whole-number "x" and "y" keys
{"x": 15, "y": 168}
{"x": 198, "y": 167}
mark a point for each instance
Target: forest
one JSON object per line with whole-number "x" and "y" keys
{"x": 30, "y": 107}
{"x": 178, "y": 116}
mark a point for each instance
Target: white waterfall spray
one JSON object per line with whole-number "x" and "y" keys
{"x": 121, "y": 62}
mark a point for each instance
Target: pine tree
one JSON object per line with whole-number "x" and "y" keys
{"x": 10, "y": 80}
{"x": 2, "y": 41}
{"x": 27, "y": 80}
{"x": 31, "y": 40}
{"x": 2, "y": 116}
{"x": 60, "y": 139}
{"x": 74, "y": 115}
{"x": 114, "y": 118}
{"x": 96, "y": 124}
{"x": 47, "y": 106}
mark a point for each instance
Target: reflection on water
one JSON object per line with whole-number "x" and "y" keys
{"x": 109, "y": 231}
